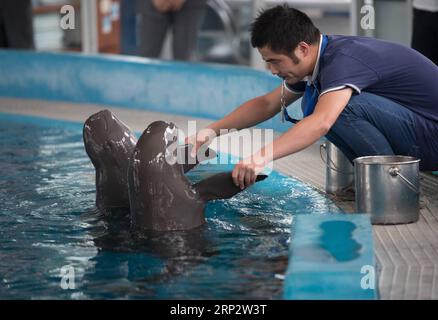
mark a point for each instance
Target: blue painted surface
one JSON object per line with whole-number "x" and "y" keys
{"x": 331, "y": 257}
{"x": 191, "y": 89}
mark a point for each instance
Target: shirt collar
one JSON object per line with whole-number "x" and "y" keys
{"x": 311, "y": 79}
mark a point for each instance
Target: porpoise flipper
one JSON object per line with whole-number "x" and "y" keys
{"x": 220, "y": 186}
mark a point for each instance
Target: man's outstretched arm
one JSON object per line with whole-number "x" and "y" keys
{"x": 246, "y": 115}
{"x": 300, "y": 136}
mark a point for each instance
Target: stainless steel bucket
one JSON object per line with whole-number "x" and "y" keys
{"x": 388, "y": 187}
{"x": 339, "y": 175}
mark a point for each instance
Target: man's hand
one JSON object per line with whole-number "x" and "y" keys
{"x": 246, "y": 171}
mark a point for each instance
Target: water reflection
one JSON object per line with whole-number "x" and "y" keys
{"x": 135, "y": 264}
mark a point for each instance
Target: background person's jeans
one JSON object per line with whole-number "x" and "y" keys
{"x": 372, "y": 125}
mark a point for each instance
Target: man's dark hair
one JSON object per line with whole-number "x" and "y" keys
{"x": 281, "y": 28}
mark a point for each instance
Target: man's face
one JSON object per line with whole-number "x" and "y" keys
{"x": 290, "y": 68}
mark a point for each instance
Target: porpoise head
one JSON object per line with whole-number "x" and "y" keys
{"x": 158, "y": 144}
{"x": 109, "y": 143}
{"x": 161, "y": 197}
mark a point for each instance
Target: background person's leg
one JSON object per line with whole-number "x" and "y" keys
{"x": 371, "y": 125}
{"x": 152, "y": 29}
{"x": 185, "y": 28}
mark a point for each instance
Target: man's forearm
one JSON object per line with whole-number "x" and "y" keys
{"x": 297, "y": 138}
{"x": 311, "y": 128}
{"x": 247, "y": 115}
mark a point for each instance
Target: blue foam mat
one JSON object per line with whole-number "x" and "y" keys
{"x": 331, "y": 258}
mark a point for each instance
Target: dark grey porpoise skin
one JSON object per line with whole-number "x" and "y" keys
{"x": 161, "y": 197}
{"x": 109, "y": 143}
{"x": 146, "y": 177}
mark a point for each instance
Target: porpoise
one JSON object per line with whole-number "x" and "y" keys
{"x": 148, "y": 176}
{"x": 160, "y": 195}
{"x": 109, "y": 144}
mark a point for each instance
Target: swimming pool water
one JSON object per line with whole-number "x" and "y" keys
{"x": 48, "y": 221}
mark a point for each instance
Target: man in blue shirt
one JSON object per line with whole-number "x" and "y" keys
{"x": 367, "y": 96}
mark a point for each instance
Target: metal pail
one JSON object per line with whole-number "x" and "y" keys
{"x": 388, "y": 187}
{"x": 339, "y": 170}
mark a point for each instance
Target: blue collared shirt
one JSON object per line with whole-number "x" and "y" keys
{"x": 380, "y": 67}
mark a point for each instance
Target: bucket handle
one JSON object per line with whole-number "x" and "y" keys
{"x": 394, "y": 171}
{"x": 324, "y": 146}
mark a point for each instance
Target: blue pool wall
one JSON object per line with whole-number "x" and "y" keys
{"x": 190, "y": 89}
